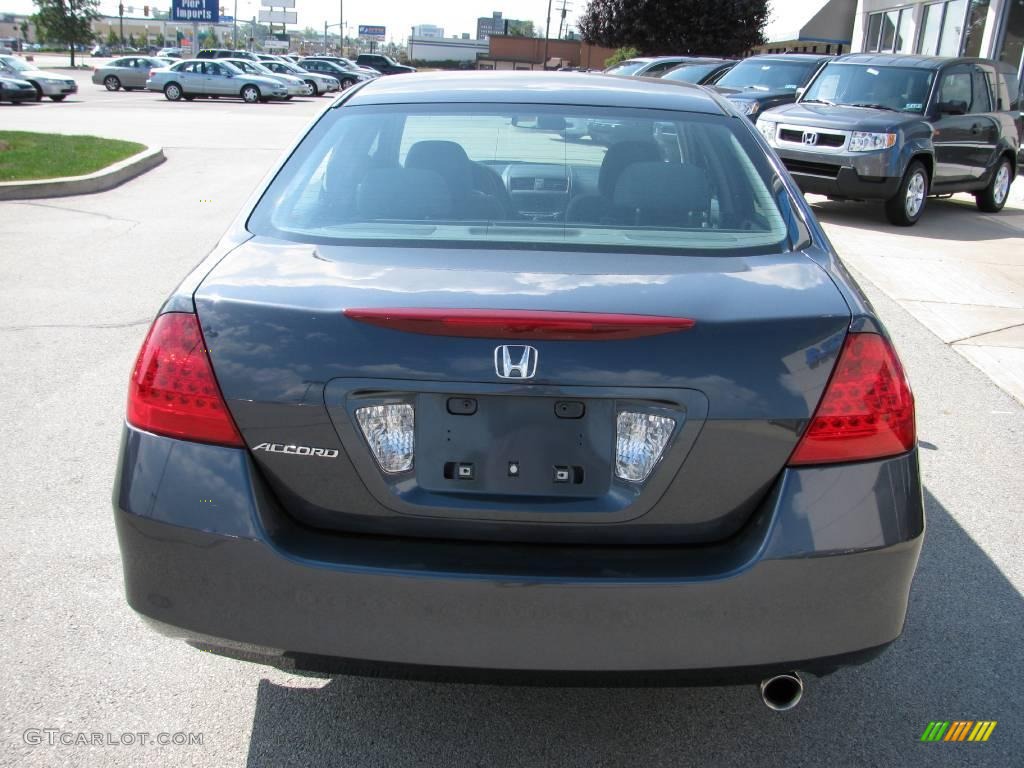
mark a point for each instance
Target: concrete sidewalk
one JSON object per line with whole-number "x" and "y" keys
{"x": 958, "y": 271}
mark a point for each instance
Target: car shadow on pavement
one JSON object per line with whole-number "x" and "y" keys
{"x": 959, "y": 659}
{"x": 955, "y": 219}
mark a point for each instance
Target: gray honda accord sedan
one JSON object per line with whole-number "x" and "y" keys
{"x": 457, "y": 397}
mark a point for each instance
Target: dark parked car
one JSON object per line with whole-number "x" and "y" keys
{"x": 700, "y": 71}
{"x": 899, "y": 128}
{"x": 449, "y": 402}
{"x": 345, "y": 77}
{"x": 15, "y": 90}
{"x": 383, "y": 64}
{"x": 344, "y": 63}
{"x": 771, "y": 80}
{"x": 226, "y": 53}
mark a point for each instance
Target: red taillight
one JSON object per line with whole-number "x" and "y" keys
{"x": 520, "y": 323}
{"x": 173, "y": 391}
{"x": 151, "y": 72}
{"x": 867, "y": 411}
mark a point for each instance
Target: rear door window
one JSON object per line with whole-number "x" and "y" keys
{"x": 982, "y": 101}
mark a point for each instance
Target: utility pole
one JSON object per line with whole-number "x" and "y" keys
{"x": 234, "y": 33}
{"x": 561, "y": 23}
{"x": 547, "y": 34}
{"x": 341, "y": 29}
{"x": 120, "y": 13}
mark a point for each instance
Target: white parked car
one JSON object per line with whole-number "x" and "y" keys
{"x": 52, "y": 84}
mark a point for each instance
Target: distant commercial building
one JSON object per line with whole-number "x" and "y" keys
{"x": 495, "y": 24}
{"x": 427, "y": 30}
{"x": 810, "y": 26}
{"x": 989, "y": 28}
{"x": 445, "y": 49}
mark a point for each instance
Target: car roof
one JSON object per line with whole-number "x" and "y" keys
{"x": 527, "y": 87}
{"x": 906, "y": 60}
{"x": 790, "y": 57}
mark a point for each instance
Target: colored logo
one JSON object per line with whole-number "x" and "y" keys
{"x": 958, "y": 730}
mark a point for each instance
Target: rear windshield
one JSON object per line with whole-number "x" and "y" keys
{"x": 902, "y": 89}
{"x": 768, "y": 75}
{"x": 529, "y": 177}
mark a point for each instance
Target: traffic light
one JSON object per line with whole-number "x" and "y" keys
{"x": 222, "y": 10}
{"x": 145, "y": 10}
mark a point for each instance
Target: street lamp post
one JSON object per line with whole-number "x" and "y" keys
{"x": 234, "y": 22}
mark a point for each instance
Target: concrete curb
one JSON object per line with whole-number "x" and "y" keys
{"x": 99, "y": 181}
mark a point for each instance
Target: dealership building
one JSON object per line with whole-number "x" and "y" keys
{"x": 989, "y": 28}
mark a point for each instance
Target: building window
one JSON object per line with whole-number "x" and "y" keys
{"x": 977, "y": 16}
{"x": 1012, "y": 49}
{"x": 890, "y": 31}
{"x": 943, "y": 28}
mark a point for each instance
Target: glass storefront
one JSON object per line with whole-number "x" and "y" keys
{"x": 1012, "y": 49}
{"x": 949, "y": 28}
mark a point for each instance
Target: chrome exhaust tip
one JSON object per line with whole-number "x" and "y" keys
{"x": 782, "y": 692}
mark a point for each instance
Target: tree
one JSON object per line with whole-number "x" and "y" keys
{"x": 69, "y": 21}
{"x": 24, "y": 30}
{"x": 621, "y": 55}
{"x": 112, "y": 38}
{"x": 709, "y": 27}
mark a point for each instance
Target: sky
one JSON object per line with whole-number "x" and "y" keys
{"x": 456, "y": 16}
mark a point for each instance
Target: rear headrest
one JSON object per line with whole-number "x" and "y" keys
{"x": 403, "y": 193}
{"x": 447, "y": 158}
{"x": 666, "y": 189}
{"x": 621, "y": 155}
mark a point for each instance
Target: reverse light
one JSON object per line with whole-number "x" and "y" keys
{"x": 867, "y": 411}
{"x": 173, "y": 391}
{"x": 640, "y": 439}
{"x": 389, "y": 430}
{"x": 862, "y": 141}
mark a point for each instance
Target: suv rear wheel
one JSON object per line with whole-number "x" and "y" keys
{"x": 993, "y": 197}
{"x": 905, "y": 207}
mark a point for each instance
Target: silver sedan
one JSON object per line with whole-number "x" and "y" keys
{"x": 296, "y": 86}
{"x": 316, "y": 83}
{"x": 205, "y": 78}
{"x": 129, "y": 72}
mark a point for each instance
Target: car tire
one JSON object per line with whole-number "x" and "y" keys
{"x": 61, "y": 97}
{"x": 173, "y": 92}
{"x": 905, "y": 207}
{"x": 994, "y": 196}
{"x": 347, "y": 83}
{"x": 111, "y": 83}
{"x": 251, "y": 94}
{"x": 311, "y": 89}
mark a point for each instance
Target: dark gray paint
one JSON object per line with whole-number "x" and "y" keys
{"x": 802, "y": 580}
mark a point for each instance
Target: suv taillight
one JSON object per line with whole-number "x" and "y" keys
{"x": 867, "y": 411}
{"x": 173, "y": 391}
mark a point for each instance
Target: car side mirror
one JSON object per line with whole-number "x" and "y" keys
{"x": 952, "y": 107}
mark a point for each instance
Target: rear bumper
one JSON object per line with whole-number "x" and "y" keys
{"x": 819, "y": 578}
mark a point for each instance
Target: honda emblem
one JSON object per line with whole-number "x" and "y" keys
{"x": 515, "y": 362}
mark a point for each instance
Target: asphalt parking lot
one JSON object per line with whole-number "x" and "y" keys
{"x": 82, "y": 278}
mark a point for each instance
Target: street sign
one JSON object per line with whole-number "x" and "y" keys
{"x": 196, "y": 11}
{"x": 279, "y": 17}
{"x": 275, "y": 45}
{"x": 372, "y": 31}
{"x": 278, "y": 3}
